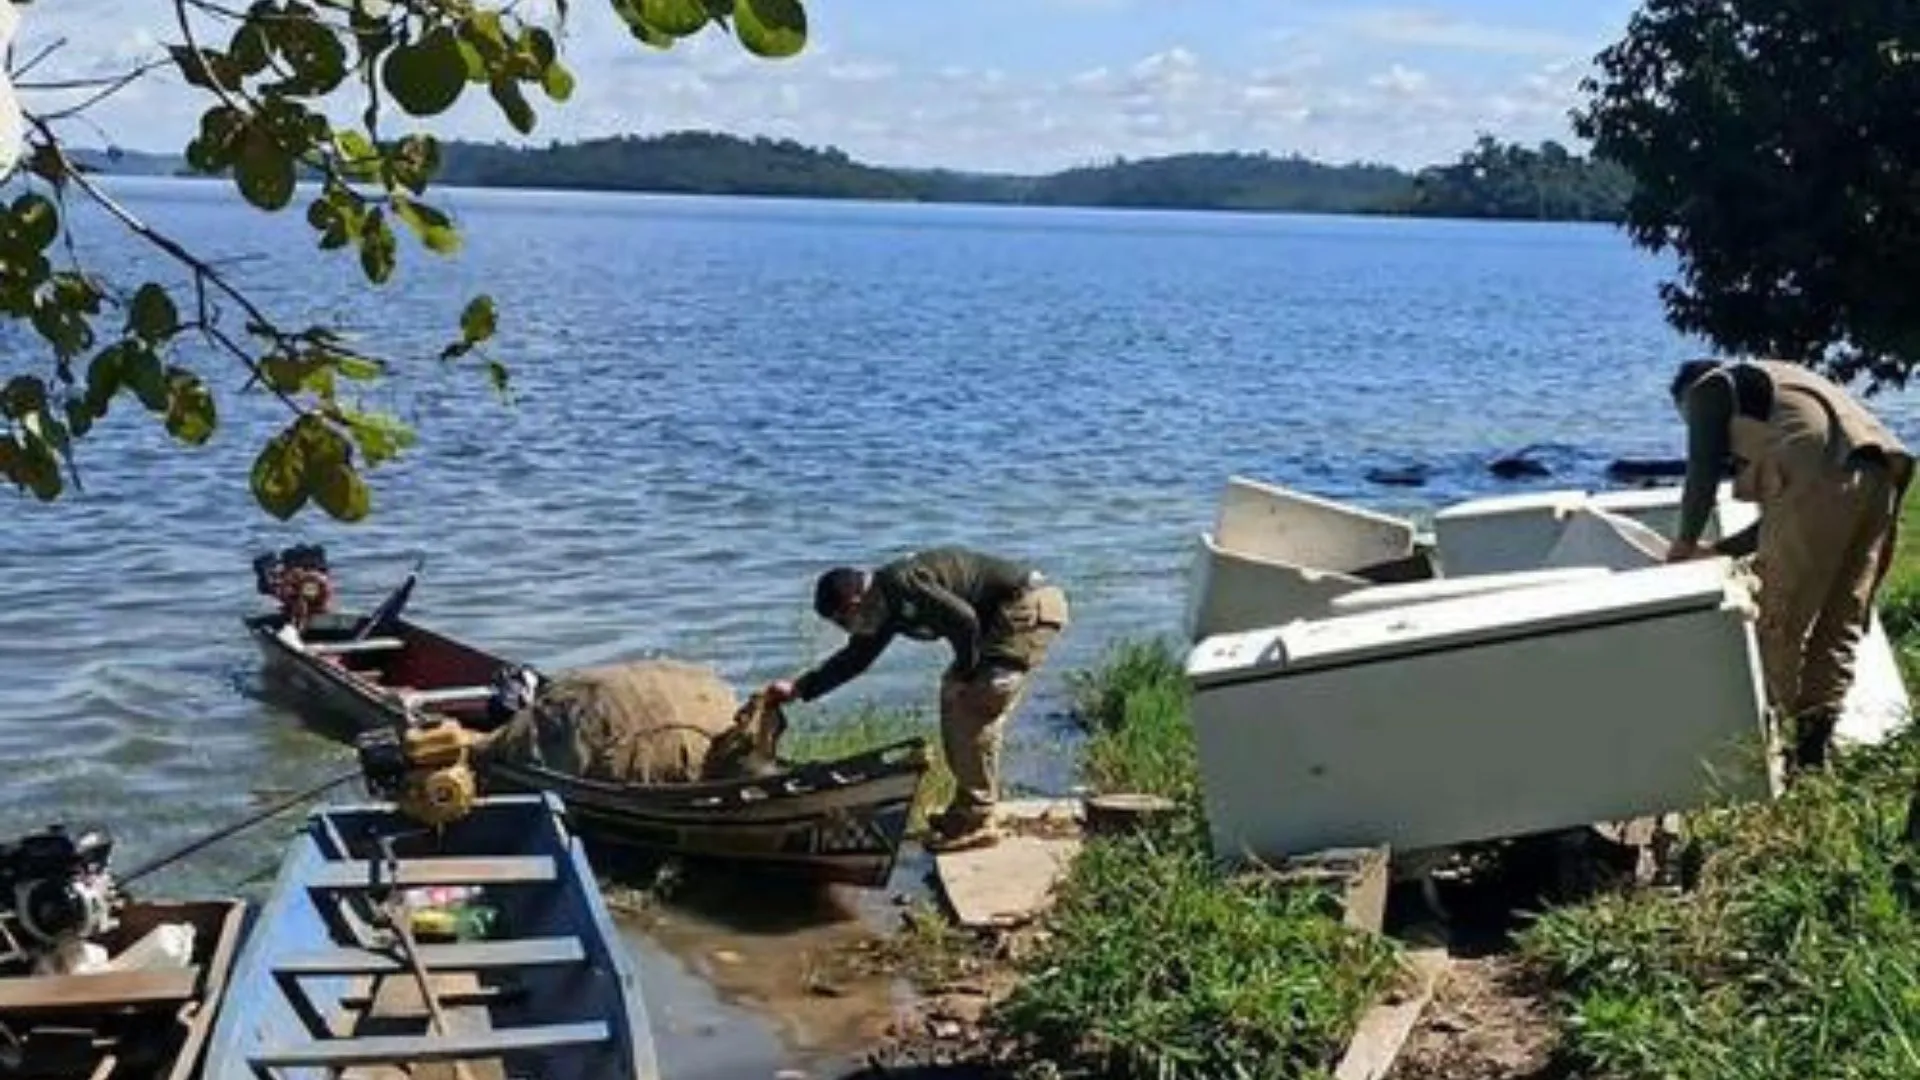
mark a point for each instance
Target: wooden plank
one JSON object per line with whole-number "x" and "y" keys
{"x": 422, "y": 873}
{"x": 396, "y": 1006}
{"x": 47, "y": 993}
{"x": 403, "y": 996}
{"x": 1004, "y": 885}
{"x": 465, "y": 956}
{"x": 1383, "y": 1029}
{"x": 445, "y": 695}
{"x": 384, "y": 1049}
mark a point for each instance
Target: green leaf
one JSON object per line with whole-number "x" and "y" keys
{"x": 378, "y": 248}
{"x": 37, "y": 468}
{"x": 65, "y": 329}
{"x": 358, "y": 368}
{"x": 557, "y": 81}
{"x": 413, "y": 161}
{"x": 434, "y": 228}
{"x": 80, "y": 416}
{"x": 379, "y": 437}
{"x": 513, "y": 103}
{"x": 771, "y": 28}
{"x": 248, "y": 49}
{"x": 206, "y": 69}
{"x": 478, "y": 321}
{"x": 318, "y": 59}
{"x": 105, "y": 376}
{"x": 37, "y": 219}
{"x": 497, "y": 375}
{"x": 152, "y": 314}
{"x": 339, "y": 491}
{"x": 425, "y": 78}
{"x": 629, "y": 11}
{"x": 140, "y": 368}
{"x": 23, "y": 395}
{"x": 191, "y": 416}
{"x": 679, "y": 18}
{"x": 538, "y": 46}
{"x": 359, "y": 158}
{"x": 279, "y": 479}
{"x": 264, "y": 172}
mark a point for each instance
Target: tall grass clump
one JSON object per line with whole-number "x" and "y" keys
{"x": 1796, "y": 955}
{"x": 1155, "y": 963}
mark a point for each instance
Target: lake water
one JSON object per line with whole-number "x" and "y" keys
{"x": 719, "y": 398}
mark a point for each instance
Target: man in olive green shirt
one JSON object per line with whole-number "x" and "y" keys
{"x": 1829, "y": 478}
{"x": 999, "y": 617}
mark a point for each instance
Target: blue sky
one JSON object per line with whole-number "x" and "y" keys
{"x": 1022, "y": 85}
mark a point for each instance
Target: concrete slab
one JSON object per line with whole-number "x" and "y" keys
{"x": 1007, "y": 884}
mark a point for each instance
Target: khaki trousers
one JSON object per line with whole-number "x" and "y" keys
{"x": 974, "y": 712}
{"x": 1826, "y": 539}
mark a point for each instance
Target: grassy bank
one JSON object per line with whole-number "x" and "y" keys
{"x": 1154, "y": 964}
{"x": 865, "y": 729}
{"x": 1797, "y": 953}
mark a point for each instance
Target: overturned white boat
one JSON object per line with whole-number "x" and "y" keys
{"x": 1527, "y": 667}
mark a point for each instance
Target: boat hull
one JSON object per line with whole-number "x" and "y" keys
{"x": 838, "y": 822}
{"x": 550, "y": 992}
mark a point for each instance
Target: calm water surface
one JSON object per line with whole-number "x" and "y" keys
{"x": 718, "y": 398}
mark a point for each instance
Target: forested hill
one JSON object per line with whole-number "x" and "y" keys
{"x": 1492, "y": 179}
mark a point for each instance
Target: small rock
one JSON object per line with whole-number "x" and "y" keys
{"x": 825, "y": 989}
{"x": 727, "y": 956}
{"x": 790, "y": 1074}
{"x": 944, "y": 1029}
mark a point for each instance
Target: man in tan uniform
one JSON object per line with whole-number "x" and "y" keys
{"x": 1829, "y": 478}
{"x": 999, "y": 616}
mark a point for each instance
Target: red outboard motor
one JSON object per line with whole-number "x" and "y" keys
{"x": 298, "y": 580}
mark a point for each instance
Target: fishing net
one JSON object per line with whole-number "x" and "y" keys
{"x": 644, "y": 722}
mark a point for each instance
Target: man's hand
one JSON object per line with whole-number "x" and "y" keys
{"x": 1685, "y": 550}
{"x": 780, "y": 691}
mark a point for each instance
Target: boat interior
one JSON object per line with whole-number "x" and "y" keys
{"x": 426, "y": 669}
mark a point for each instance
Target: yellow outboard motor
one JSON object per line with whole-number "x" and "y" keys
{"x": 423, "y": 770}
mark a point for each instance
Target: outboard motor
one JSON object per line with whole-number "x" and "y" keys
{"x": 298, "y": 579}
{"x": 54, "y": 887}
{"x": 515, "y": 686}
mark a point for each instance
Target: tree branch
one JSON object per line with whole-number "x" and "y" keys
{"x": 203, "y": 273}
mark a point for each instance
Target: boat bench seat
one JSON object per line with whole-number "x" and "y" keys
{"x": 338, "y": 648}
{"x": 344, "y": 875}
{"x": 463, "y": 956}
{"x": 444, "y": 695}
{"x": 393, "y": 1049}
{"x": 52, "y": 993}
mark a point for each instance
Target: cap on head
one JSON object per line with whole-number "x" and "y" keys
{"x": 836, "y": 589}
{"x": 1689, "y": 373}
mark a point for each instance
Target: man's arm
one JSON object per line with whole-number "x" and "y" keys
{"x": 856, "y": 656}
{"x": 1709, "y": 411}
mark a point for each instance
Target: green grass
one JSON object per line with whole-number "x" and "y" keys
{"x": 1156, "y": 965}
{"x": 1795, "y": 956}
{"x": 864, "y": 729}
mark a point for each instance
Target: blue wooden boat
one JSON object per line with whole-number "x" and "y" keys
{"x": 333, "y": 981}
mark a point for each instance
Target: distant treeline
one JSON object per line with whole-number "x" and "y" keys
{"x": 1491, "y": 180}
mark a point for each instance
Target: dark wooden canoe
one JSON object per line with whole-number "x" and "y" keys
{"x": 324, "y": 983}
{"x": 839, "y": 821}
{"x": 123, "y": 1025}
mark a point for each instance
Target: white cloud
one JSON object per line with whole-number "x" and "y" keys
{"x": 1326, "y": 90}
{"x": 1435, "y": 29}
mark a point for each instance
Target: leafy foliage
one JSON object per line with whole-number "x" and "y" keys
{"x": 1508, "y": 180}
{"x": 1772, "y": 148}
{"x": 273, "y": 77}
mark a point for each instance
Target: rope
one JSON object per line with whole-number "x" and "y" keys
{"x": 245, "y": 823}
